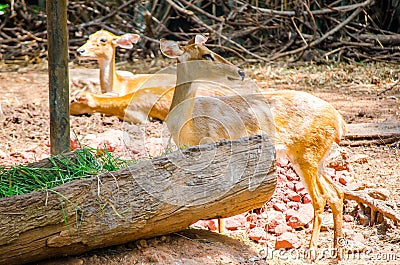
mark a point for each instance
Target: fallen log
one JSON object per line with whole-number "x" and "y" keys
{"x": 372, "y": 133}
{"x": 385, "y": 40}
{"x": 150, "y": 198}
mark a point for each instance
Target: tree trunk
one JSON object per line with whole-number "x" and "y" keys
{"x": 150, "y": 198}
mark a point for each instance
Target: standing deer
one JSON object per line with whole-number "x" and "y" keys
{"x": 302, "y": 126}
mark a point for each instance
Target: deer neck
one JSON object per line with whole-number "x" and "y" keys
{"x": 185, "y": 91}
{"x": 108, "y": 75}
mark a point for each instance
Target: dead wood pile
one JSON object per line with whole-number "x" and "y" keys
{"x": 252, "y": 30}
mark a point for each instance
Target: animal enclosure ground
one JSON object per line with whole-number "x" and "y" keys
{"x": 356, "y": 90}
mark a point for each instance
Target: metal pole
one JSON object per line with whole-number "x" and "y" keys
{"x": 57, "y": 39}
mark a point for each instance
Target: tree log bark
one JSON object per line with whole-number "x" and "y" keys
{"x": 150, "y": 198}
{"x": 372, "y": 133}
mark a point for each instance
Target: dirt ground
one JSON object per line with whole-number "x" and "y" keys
{"x": 355, "y": 90}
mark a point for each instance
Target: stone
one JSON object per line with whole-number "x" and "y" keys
{"x": 282, "y": 228}
{"x": 287, "y": 240}
{"x": 235, "y": 222}
{"x": 291, "y": 175}
{"x": 257, "y": 234}
{"x": 294, "y": 196}
{"x": 299, "y": 187}
{"x": 290, "y": 185}
{"x": 303, "y": 216}
{"x": 293, "y": 205}
{"x": 280, "y": 206}
{"x": 344, "y": 180}
{"x": 307, "y": 199}
{"x": 274, "y": 218}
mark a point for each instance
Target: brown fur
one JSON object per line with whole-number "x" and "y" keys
{"x": 133, "y": 98}
{"x": 101, "y": 46}
{"x": 300, "y": 124}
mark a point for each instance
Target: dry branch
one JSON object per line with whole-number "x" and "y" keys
{"x": 372, "y": 133}
{"x": 153, "y": 197}
{"x": 376, "y": 205}
{"x": 260, "y": 31}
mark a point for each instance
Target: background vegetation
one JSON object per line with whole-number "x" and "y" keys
{"x": 253, "y": 30}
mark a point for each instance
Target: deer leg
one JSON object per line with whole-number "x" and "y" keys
{"x": 335, "y": 201}
{"x": 317, "y": 191}
{"x": 318, "y": 202}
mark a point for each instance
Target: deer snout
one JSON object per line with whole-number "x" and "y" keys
{"x": 241, "y": 74}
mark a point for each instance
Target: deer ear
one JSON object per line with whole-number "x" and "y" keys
{"x": 200, "y": 39}
{"x": 126, "y": 40}
{"x": 170, "y": 48}
{"x": 191, "y": 41}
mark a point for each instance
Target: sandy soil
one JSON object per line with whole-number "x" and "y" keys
{"x": 352, "y": 89}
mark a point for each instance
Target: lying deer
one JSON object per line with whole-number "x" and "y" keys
{"x": 117, "y": 89}
{"x": 132, "y": 99}
{"x": 101, "y": 46}
{"x": 302, "y": 126}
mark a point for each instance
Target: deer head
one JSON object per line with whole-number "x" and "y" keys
{"x": 102, "y": 44}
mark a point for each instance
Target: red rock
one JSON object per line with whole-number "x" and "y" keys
{"x": 344, "y": 180}
{"x": 287, "y": 240}
{"x": 280, "y": 206}
{"x": 290, "y": 185}
{"x": 210, "y": 224}
{"x": 290, "y": 212}
{"x": 282, "y": 228}
{"x": 281, "y": 178}
{"x": 293, "y": 205}
{"x": 294, "y": 196}
{"x": 235, "y": 222}
{"x": 252, "y": 220}
{"x": 299, "y": 187}
{"x": 28, "y": 156}
{"x": 348, "y": 218}
{"x": 199, "y": 224}
{"x": 291, "y": 175}
{"x": 274, "y": 218}
{"x": 307, "y": 199}
{"x": 257, "y": 234}
{"x": 303, "y": 193}
{"x": 302, "y": 217}
{"x": 105, "y": 145}
{"x": 74, "y": 144}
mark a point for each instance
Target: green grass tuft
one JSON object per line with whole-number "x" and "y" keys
{"x": 23, "y": 179}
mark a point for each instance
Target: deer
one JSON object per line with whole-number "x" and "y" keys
{"x": 116, "y": 88}
{"x": 137, "y": 107}
{"x": 302, "y": 126}
{"x": 101, "y": 46}
{"x": 132, "y": 99}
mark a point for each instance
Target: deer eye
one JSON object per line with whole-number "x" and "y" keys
{"x": 103, "y": 40}
{"x": 208, "y": 56}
